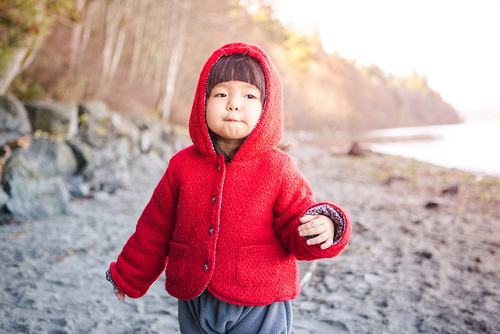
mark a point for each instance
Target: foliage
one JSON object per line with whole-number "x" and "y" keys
{"x": 301, "y": 48}
{"x": 374, "y": 70}
{"x": 415, "y": 81}
{"x": 21, "y": 19}
{"x": 120, "y": 51}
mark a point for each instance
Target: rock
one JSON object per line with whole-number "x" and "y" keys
{"x": 330, "y": 283}
{"x": 148, "y": 166}
{"x": 95, "y": 127}
{"x": 43, "y": 158}
{"x": 86, "y": 156}
{"x": 356, "y": 150}
{"x": 4, "y": 198}
{"x": 149, "y": 137}
{"x": 453, "y": 190}
{"x": 34, "y": 198}
{"x": 157, "y": 137}
{"x": 393, "y": 178}
{"x": 56, "y": 118}
{"x": 126, "y": 128}
{"x": 34, "y": 179}
{"x": 432, "y": 205}
{"x": 111, "y": 176}
{"x": 78, "y": 187}
{"x": 97, "y": 109}
{"x": 14, "y": 121}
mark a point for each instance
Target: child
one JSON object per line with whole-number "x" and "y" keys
{"x": 232, "y": 214}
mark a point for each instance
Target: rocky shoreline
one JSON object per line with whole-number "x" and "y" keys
{"x": 408, "y": 268}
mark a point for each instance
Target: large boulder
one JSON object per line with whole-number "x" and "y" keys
{"x": 96, "y": 109}
{"x": 156, "y": 136}
{"x": 14, "y": 121}
{"x": 125, "y": 127}
{"x": 4, "y": 198}
{"x": 45, "y": 158}
{"x": 95, "y": 127}
{"x": 34, "y": 179}
{"x": 58, "y": 119}
{"x": 30, "y": 196}
{"x": 33, "y": 198}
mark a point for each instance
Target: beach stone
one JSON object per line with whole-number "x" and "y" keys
{"x": 95, "y": 126}
{"x": 33, "y": 198}
{"x": 373, "y": 279}
{"x": 58, "y": 119}
{"x": 43, "y": 158}
{"x": 125, "y": 127}
{"x": 308, "y": 306}
{"x": 4, "y": 198}
{"x": 111, "y": 176}
{"x": 14, "y": 121}
{"x": 152, "y": 136}
{"x": 84, "y": 154}
{"x": 78, "y": 187}
{"x": 34, "y": 179}
{"x": 97, "y": 109}
{"x": 329, "y": 282}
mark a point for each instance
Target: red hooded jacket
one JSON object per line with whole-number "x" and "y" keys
{"x": 229, "y": 227}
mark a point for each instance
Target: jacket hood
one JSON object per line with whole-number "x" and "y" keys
{"x": 268, "y": 131}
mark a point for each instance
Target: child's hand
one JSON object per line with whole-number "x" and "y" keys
{"x": 120, "y": 295}
{"x": 318, "y": 225}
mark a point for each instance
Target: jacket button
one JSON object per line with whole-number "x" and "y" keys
{"x": 218, "y": 168}
{"x": 211, "y": 230}
{"x": 205, "y": 267}
{"x": 213, "y": 200}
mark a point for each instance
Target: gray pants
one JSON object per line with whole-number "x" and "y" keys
{"x": 207, "y": 314}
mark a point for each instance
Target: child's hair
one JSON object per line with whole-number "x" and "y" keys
{"x": 239, "y": 67}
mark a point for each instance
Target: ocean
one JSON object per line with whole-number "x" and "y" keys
{"x": 471, "y": 147}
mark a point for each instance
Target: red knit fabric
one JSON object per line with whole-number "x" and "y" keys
{"x": 231, "y": 227}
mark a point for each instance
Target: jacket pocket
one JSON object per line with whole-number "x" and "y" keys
{"x": 260, "y": 265}
{"x": 176, "y": 261}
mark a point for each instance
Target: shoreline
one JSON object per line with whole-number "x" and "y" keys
{"x": 465, "y": 146}
{"x": 408, "y": 268}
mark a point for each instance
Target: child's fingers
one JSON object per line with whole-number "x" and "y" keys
{"x": 307, "y": 218}
{"x": 314, "y": 230}
{"x": 318, "y": 239}
{"x": 312, "y": 227}
{"x": 120, "y": 295}
{"x": 327, "y": 243}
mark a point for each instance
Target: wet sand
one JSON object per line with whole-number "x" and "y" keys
{"x": 407, "y": 269}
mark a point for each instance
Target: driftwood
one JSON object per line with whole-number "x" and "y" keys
{"x": 356, "y": 150}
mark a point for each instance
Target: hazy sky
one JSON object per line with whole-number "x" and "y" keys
{"x": 455, "y": 44}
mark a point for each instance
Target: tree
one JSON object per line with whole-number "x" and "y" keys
{"x": 23, "y": 26}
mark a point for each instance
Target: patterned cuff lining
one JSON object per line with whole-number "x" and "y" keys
{"x": 334, "y": 214}
{"x": 110, "y": 278}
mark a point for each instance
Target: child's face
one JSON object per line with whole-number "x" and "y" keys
{"x": 233, "y": 110}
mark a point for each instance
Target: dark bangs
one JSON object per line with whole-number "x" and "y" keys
{"x": 239, "y": 67}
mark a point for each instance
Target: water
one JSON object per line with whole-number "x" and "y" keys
{"x": 470, "y": 146}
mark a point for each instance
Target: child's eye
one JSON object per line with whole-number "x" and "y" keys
{"x": 250, "y": 96}
{"x": 220, "y": 95}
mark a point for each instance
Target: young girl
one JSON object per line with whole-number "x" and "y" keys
{"x": 232, "y": 214}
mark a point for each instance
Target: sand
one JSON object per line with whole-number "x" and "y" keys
{"x": 407, "y": 269}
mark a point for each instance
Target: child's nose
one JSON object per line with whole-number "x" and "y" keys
{"x": 233, "y": 105}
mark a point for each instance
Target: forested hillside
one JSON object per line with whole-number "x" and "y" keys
{"x": 144, "y": 57}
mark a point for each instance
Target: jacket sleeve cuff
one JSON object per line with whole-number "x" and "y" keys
{"x": 109, "y": 277}
{"x": 334, "y": 214}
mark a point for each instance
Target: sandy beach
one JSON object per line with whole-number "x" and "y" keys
{"x": 419, "y": 261}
